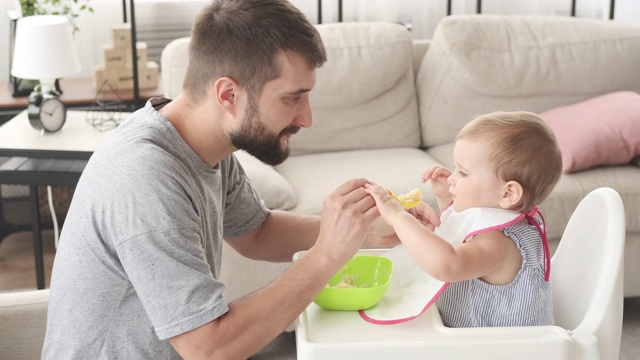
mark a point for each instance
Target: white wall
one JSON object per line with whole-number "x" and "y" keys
{"x": 424, "y": 15}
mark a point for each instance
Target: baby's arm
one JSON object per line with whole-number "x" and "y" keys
{"x": 439, "y": 185}
{"x": 484, "y": 255}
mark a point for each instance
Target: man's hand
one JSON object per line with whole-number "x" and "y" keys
{"x": 347, "y": 214}
{"x": 389, "y": 207}
{"x": 380, "y": 235}
{"x": 386, "y": 204}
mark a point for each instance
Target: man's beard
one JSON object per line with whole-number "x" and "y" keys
{"x": 257, "y": 140}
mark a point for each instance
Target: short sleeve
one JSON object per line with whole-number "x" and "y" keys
{"x": 169, "y": 272}
{"x": 244, "y": 209}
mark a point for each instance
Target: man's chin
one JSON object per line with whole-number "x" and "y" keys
{"x": 270, "y": 159}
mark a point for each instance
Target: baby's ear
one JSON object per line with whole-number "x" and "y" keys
{"x": 512, "y": 193}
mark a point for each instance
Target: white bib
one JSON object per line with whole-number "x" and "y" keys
{"x": 412, "y": 290}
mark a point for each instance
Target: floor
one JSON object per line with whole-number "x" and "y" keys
{"x": 17, "y": 272}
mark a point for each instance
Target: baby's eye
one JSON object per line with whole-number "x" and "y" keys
{"x": 460, "y": 172}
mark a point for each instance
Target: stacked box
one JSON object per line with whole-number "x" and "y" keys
{"x": 117, "y": 63}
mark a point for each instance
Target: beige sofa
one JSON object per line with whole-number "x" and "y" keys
{"x": 385, "y": 107}
{"x": 23, "y": 321}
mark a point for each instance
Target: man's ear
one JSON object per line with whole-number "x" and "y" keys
{"x": 225, "y": 90}
{"x": 512, "y": 194}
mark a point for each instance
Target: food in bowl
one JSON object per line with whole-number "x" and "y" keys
{"x": 348, "y": 281}
{"x": 358, "y": 285}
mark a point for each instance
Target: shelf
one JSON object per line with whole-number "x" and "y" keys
{"x": 76, "y": 92}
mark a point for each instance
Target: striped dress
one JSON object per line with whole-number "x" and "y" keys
{"x": 524, "y": 302}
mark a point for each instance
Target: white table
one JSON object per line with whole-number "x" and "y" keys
{"x": 77, "y": 139}
{"x": 40, "y": 158}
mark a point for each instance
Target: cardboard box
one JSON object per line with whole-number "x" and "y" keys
{"x": 143, "y": 57}
{"x": 100, "y": 75}
{"x": 121, "y": 36}
{"x": 122, "y": 79}
{"x": 148, "y": 77}
{"x": 113, "y": 57}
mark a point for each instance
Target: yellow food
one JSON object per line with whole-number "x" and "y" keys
{"x": 408, "y": 200}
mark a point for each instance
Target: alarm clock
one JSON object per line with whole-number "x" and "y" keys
{"x": 46, "y": 111}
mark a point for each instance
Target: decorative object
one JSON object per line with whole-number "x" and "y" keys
{"x": 117, "y": 66}
{"x": 18, "y": 87}
{"x": 45, "y": 51}
{"x": 71, "y": 9}
{"x": 46, "y": 113}
{"x": 604, "y": 130}
{"x": 106, "y": 114}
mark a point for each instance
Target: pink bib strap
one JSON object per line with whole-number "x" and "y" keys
{"x": 543, "y": 234}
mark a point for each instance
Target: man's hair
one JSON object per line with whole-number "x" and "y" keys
{"x": 523, "y": 149}
{"x": 240, "y": 39}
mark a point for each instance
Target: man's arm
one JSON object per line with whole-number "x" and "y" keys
{"x": 256, "y": 319}
{"x": 281, "y": 235}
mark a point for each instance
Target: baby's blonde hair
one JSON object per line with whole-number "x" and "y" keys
{"x": 523, "y": 149}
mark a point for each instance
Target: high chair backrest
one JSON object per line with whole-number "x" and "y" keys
{"x": 587, "y": 272}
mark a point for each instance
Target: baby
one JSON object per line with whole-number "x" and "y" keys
{"x": 491, "y": 248}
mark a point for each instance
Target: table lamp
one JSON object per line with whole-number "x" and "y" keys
{"x": 45, "y": 51}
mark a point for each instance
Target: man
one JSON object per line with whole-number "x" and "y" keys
{"x": 135, "y": 275}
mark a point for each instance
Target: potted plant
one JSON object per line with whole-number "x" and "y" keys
{"x": 70, "y": 8}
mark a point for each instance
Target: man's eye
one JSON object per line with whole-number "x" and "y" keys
{"x": 295, "y": 99}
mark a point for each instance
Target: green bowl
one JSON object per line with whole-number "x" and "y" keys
{"x": 369, "y": 274}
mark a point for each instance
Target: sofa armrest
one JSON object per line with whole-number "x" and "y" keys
{"x": 23, "y": 322}
{"x": 276, "y": 192}
{"x": 174, "y": 61}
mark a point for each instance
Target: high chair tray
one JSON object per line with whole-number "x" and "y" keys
{"x": 335, "y": 335}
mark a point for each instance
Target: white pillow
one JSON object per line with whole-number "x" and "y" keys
{"x": 272, "y": 187}
{"x": 478, "y": 64}
{"x": 365, "y": 87}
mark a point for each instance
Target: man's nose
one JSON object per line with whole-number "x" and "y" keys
{"x": 305, "y": 117}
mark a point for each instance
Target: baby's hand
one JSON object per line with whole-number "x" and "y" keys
{"x": 387, "y": 205}
{"x": 426, "y": 215}
{"x": 438, "y": 176}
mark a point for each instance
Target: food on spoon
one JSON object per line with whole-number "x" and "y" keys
{"x": 408, "y": 200}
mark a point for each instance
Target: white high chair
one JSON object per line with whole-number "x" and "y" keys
{"x": 586, "y": 275}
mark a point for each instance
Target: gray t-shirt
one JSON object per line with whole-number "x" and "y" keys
{"x": 139, "y": 253}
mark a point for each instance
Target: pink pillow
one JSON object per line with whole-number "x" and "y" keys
{"x": 604, "y": 130}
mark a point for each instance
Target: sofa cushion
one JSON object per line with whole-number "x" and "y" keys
{"x": 174, "y": 61}
{"x": 366, "y": 83}
{"x": 23, "y": 323}
{"x": 274, "y": 190}
{"x": 480, "y": 64}
{"x": 315, "y": 176}
{"x": 604, "y": 130}
{"x": 571, "y": 188}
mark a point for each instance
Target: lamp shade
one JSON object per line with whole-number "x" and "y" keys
{"x": 44, "y": 49}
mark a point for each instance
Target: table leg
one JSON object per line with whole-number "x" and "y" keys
{"x": 37, "y": 236}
